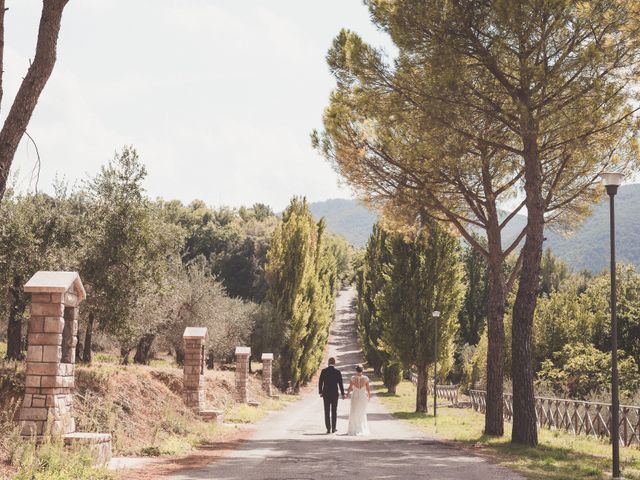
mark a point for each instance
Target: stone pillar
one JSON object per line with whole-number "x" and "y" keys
{"x": 194, "y": 356}
{"x": 47, "y": 406}
{"x": 242, "y": 374}
{"x": 267, "y": 373}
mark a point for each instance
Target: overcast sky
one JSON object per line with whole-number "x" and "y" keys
{"x": 218, "y": 96}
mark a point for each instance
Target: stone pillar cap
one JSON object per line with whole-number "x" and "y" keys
{"x": 267, "y": 356}
{"x": 243, "y": 350}
{"x": 195, "y": 332}
{"x": 55, "y": 282}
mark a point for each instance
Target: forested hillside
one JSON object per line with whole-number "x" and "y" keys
{"x": 348, "y": 218}
{"x": 586, "y": 248}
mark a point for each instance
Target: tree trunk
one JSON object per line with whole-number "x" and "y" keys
{"x": 524, "y": 415}
{"x": 143, "y": 349}
{"x": 422, "y": 391}
{"x": 179, "y": 355}
{"x": 31, "y": 87}
{"x": 17, "y": 307}
{"x": 124, "y": 355}
{"x": 88, "y": 339}
{"x": 79, "y": 348}
{"x": 493, "y": 420}
{"x": 497, "y": 292}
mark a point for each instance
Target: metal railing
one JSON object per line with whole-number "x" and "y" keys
{"x": 573, "y": 416}
{"x": 444, "y": 392}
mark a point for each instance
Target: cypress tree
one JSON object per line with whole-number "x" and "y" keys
{"x": 301, "y": 276}
{"x": 425, "y": 274}
{"x": 369, "y": 283}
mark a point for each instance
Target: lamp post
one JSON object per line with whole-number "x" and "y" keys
{"x": 612, "y": 181}
{"x": 436, "y": 315}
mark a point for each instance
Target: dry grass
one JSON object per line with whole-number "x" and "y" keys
{"x": 140, "y": 406}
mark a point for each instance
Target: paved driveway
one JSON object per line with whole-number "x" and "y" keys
{"x": 292, "y": 444}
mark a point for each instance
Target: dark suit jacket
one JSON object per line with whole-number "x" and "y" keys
{"x": 330, "y": 380}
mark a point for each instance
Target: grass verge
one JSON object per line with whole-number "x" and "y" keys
{"x": 559, "y": 456}
{"x": 242, "y": 413}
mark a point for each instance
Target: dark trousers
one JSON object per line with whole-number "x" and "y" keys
{"x": 330, "y": 422}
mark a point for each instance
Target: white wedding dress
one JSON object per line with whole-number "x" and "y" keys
{"x": 358, "y": 414}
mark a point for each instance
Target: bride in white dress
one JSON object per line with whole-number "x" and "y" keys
{"x": 361, "y": 394}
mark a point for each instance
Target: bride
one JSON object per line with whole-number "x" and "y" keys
{"x": 361, "y": 394}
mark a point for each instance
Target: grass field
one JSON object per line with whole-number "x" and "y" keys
{"x": 559, "y": 456}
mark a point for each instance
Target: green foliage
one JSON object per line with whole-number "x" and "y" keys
{"x": 343, "y": 253}
{"x": 423, "y": 275}
{"x": 597, "y": 296}
{"x": 561, "y": 318}
{"x": 370, "y": 281}
{"x": 580, "y": 369}
{"x": 473, "y": 314}
{"x": 52, "y": 461}
{"x": 302, "y": 280}
{"x": 192, "y": 296}
{"x": 475, "y": 374}
{"x": 128, "y": 244}
{"x": 39, "y": 232}
{"x": 234, "y": 242}
{"x": 392, "y": 375}
{"x": 552, "y": 273}
{"x": 579, "y": 313}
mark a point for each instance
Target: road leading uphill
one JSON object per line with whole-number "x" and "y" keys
{"x": 292, "y": 444}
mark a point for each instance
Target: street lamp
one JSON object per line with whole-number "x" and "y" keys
{"x": 612, "y": 181}
{"x": 436, "y": 315}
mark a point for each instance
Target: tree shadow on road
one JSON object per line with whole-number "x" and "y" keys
{"x": 357, "y": 457}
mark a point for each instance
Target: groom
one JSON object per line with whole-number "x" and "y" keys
{"x": 330, "y": 380}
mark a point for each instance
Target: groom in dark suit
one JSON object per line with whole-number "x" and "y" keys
{"x": 330, "y": 380}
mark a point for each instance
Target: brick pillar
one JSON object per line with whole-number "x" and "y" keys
{"x": 267, "y": 373}
{"x": 47, "y": 406}
{"x": 242, "y": 374}
{"x": 194, "y": 355}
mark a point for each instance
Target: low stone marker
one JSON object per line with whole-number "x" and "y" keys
{"x": 194, "y": 339}
{"x": 267, "y": 373}
{"x": 242, "y": 374}
{"x": 47, "y": 406}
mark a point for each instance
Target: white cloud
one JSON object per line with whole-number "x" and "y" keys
{"x": 218, "y": 97}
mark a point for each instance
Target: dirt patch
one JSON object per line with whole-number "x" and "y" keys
{"x": 205, "y": 455}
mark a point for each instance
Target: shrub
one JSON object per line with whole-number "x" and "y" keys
{"x": 580, "y": 370}
{"x": 391, "y": 376}
{"x": 51, "y": 461}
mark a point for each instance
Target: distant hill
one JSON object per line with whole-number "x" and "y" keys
{"x": 586, "y": 248}
{"x": 348, "y": 218}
